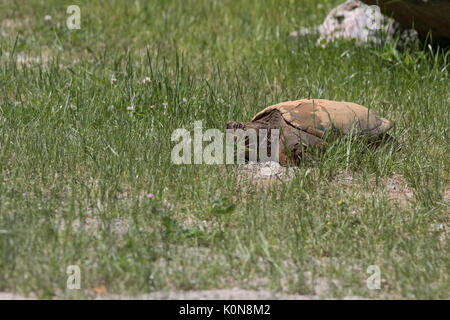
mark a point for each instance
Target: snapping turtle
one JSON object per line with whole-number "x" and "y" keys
{"x": 308, "y": 122}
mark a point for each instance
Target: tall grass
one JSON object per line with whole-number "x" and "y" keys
{"x": 79, "y": 154}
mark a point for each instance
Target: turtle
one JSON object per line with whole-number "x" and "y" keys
{"x": 308, "y": 123}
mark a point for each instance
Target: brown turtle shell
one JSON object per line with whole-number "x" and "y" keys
{"x": 319, "y": 116}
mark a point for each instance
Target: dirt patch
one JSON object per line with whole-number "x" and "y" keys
{"x": 447, "y": 196}
{"x": 271, "y": 173}
{"x": 398, "y": 189}
{"x": 94, "y": 224}
{"x": 221, "y": 294}
{"x": 13, "y": 296}
{"x": 12, "y": 26}
{"x": 265, "y": 174}
{"x": 396, "y": 186}
{"x": 24, "y": 59}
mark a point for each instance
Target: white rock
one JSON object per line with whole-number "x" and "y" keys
{"x": 357, "y": 21}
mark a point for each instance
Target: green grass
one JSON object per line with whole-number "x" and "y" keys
{"x": 67, "y": 156}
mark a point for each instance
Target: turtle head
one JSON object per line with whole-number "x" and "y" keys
{"x": 243, "y": 125}
{"x": 235, "y": 125}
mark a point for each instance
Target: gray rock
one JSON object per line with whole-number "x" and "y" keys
{"x": 357, "y": 21}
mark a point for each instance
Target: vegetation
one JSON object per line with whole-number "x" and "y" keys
{"x": 85, "y": 145}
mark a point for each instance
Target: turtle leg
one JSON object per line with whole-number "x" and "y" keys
{"x": 291, "y": 149}
{"x": 244, "y": 126}
{"x": 293, "y": 141}
{"x": 268, "y": 122}
{"x": 391, "y": 139}
{"x": 387, "y": 139}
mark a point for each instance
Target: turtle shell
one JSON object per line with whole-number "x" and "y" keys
{"x": 319, "y": 116}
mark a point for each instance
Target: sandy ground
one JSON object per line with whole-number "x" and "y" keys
{"x": 265, "y": 175}
{"x": 223, "y": 294}
{"x": 11, "y": 296}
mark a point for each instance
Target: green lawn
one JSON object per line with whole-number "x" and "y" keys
{"x": 76, "y": 165}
